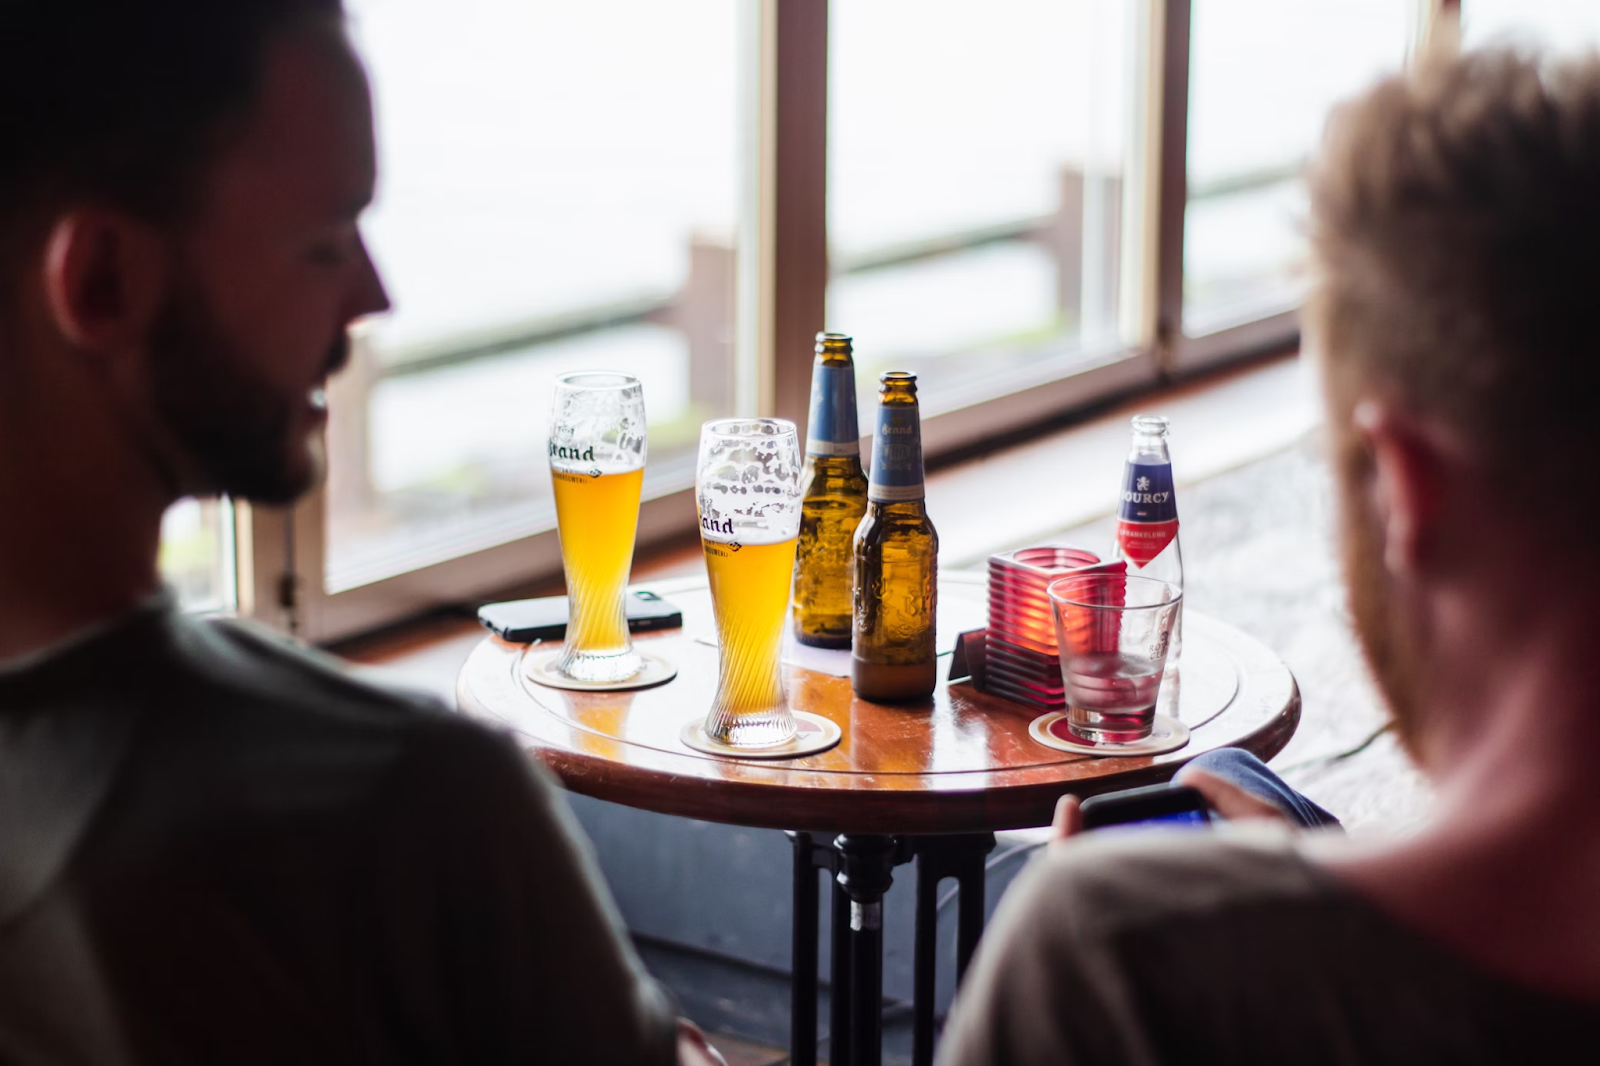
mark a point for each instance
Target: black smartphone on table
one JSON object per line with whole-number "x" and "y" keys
{"x": 1156, "y": 805}
{"x": 525, "y": 621}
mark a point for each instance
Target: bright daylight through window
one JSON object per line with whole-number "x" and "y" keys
{"x": 560, "y": 188}
{"x": 1263, "y": 75}
{"x": 558, "y": 191}
{"x": 197, "y": 554}
{"x": 1562, "y": 24}
{"x": 977, "y": 157}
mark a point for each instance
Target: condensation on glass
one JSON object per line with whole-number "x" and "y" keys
{"x": 558, "y": 191}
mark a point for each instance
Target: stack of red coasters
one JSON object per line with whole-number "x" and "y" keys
{"x": 1022, "y": 661}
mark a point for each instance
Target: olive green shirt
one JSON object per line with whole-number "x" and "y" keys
{"x": 1162, "y": 947}
{"x": 217, "y": 848}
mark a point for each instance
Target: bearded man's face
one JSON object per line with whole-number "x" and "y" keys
{"x": 239, "y": 432}
{"x": 265, "y": 280}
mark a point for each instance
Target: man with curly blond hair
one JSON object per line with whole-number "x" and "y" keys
{"x": 1456, "y": 317}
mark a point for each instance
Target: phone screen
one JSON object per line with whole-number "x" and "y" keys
{"x": 1166, "y": 806}
{"x": 1182, "y": 818}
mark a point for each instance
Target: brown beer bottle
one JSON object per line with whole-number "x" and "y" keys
{"x": 835, "y": 492}
{"x": 896, "y": 559}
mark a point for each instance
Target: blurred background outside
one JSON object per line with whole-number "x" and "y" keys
{"x": 560, "y": 190}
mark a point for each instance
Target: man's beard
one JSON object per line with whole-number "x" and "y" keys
{"x": 234, "y": 433}
{"x": 1385, "y": 637}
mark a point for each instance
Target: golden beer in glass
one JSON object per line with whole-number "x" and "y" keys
{"x": 747, "y": 486}
{"x": 597, "y": 456}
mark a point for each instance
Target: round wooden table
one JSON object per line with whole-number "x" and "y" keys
{"x": 930, "y": 781}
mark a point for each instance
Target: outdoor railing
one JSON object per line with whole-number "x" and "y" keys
{"x": 702, "y": 308}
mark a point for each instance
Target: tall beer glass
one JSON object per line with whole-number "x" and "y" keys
{"x": 597, "y": 454}
{"x": 747, "y": 486}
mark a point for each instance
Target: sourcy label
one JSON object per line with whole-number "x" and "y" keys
{"x": 833, "y": 429}
{"x": 896, "y": 474}
{"x": 1148, "y": 520}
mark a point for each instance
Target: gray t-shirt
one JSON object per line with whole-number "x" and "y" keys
{"x": 217, "y": 848}
{"x": 1145, "y": 948}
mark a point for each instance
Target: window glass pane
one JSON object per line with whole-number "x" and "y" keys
{"x": 197, "y": 557}
{"x": 558, "y": 189}
{"x": 1560, "y": 24}
{"x": 976, "y": 161}
{"x": 1263, "y": 75}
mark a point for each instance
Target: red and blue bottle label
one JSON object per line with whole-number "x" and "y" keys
{"x": 1148, "y": 520}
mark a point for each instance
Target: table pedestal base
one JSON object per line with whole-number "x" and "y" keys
{"x": 862, "y": 868}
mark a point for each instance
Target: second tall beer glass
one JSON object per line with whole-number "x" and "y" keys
{"x": 597, "y": 454}
{"x": 747, "y": 486}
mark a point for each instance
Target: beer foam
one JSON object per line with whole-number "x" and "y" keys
{"x": 748, "y": 483}
{"x": 599, "y": 430}
{"x": 748, "y": 514}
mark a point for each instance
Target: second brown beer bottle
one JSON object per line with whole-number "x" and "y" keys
{"x": 896, "y": 559}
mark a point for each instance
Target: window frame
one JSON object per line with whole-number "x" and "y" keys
{"x": 781, "y": 285}
{"x": 1272, "y": 323}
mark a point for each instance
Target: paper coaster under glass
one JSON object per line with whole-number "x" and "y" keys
{"x": 541, "y": 669}
{"x": 815, "y": 734}
{"x": 1166, "y": 734}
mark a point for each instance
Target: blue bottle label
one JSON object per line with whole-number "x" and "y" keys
{"x": 834, "y": 429}
{"x": 1148, "y": 520}
{"x": 896, "y": 474}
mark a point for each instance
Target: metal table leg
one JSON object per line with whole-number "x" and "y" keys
{"x": 803, "y": 992}
{"x": 839, "y": 981}
{"x": 961, "y": 857}
{"x": 923, "y": 963}
{"x": 863, "y": 867}
{"x": 811, "y": 855}
{"x": 971, "y": 882}
{"x": 865, "y": 874}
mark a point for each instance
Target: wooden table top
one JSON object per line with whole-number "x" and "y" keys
{"x": 961, "y": 762}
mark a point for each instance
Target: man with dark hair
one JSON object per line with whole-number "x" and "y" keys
{"x": 1456, "y": 229}
{"x": 214, "y": 847}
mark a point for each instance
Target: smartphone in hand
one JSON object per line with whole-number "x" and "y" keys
{"x": 1163, "y": 805}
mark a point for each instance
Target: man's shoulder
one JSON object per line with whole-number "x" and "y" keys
{"x": 1114, "y": 883}
{"x": 1155, "y": 936}
{"x": 1232, "y": 861}
{"x": 247, "y": 661}
{"x": 266, "y": 708}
